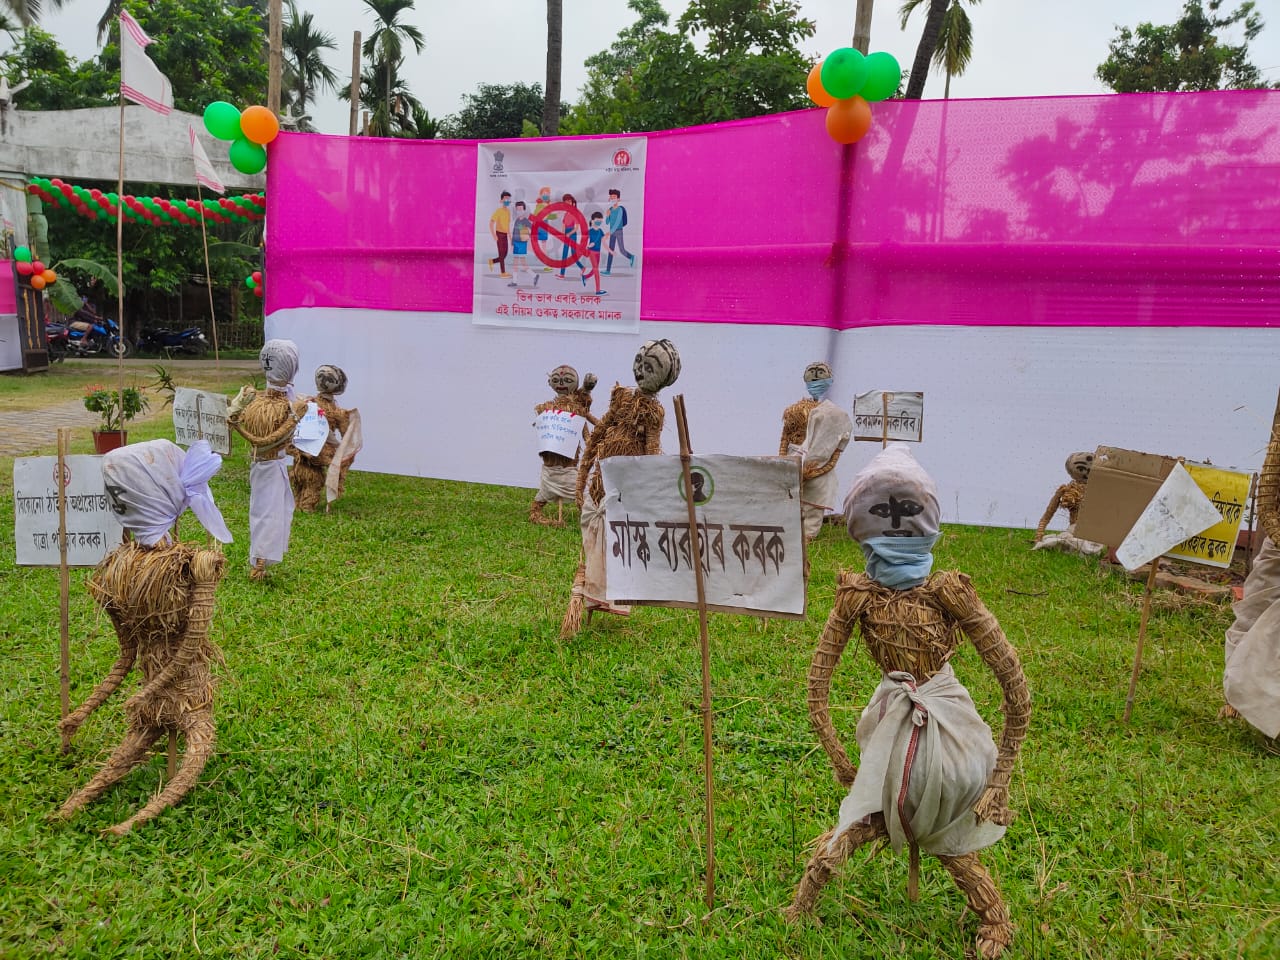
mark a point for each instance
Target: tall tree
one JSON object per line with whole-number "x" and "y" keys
{"x": 29, "y": 11}
{"x": 58, "y": 82}
{"x": 935, "y": 16}
{"x": 555, "y": 43}
{"x": 495, "y": 111}
{"x": 726, "y": 59}
{"x": 953, "y": 47}
{"x": 1189, "y": 54}
{"x": 392, "y": 110}
{"x": 306, "y": 73}
{"x": 385, "y": 46}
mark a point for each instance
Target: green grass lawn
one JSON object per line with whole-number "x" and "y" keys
{"x": 410, "y": 764}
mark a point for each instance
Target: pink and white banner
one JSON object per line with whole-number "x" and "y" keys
{"x": 1054, "y": 273}
{"x": 559, "y": 230}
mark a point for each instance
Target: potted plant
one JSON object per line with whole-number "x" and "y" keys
{"x": 116, "y": 409}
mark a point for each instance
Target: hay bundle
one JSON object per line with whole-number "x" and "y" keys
{"x": 632, "y": 427}
{"x": 160, "y": 600}
{"x": 268, "y": 422}
{"x": 795, "y": 422}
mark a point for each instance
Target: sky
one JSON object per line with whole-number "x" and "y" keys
{"x": 1022, "y": 48}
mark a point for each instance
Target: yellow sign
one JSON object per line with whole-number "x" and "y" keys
{"x": 1229, "y": 492}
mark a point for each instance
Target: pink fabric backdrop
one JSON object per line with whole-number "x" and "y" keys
{"x": 1120, "y": 210}
{"x": 8, "y": 290}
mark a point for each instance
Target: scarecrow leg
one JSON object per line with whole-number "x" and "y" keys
{"x": 995, "y": 932}
{"x": 200, "y": 739}
{"x": 109, "y": 685}
{"x": 128, "y": 755}
{"x": 824, "y": 862}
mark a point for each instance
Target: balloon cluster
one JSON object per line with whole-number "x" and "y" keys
{"x": 846, "y": 83}
{"x": 249, "y": 131}
{"x": 254, "y": 282}
{"x": 41, "y": 276}
{"x": 96, "y": 205}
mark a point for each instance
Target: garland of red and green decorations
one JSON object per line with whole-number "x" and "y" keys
{"x": 97, "y": 205}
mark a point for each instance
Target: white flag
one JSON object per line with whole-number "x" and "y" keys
{"x": 1179, "y": 510}
{"x": 204, "y": 169}
{"x": 141, "y": 80}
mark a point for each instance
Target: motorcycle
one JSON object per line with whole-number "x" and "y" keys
{"x": 190, "y": 341}
{"x": 90, "y": 334}
{"x": 58, "y": 334}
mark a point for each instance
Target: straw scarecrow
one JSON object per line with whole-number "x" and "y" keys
{"x": 158, "y": 593}
{"x": 632, "y": 426}
{"x": 559, "y": 481}
{"x": 1251, "y": 678}
{"x": 931, "y": 777}
{"x": 819, "y": 431}
{"x": 1068, "y": 497}
{"x": 267, "y": 421}
{"x": 324, "y": 475}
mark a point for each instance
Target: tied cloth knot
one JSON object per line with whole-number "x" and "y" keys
{"x": 919, "y": 712}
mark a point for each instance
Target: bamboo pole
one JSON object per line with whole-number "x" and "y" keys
{"x": 884, "y": 419}
{"x": 1142, "y": 636}
{"x": 208, "y": 282}
{"x": 686, "y": 453}
{"x": 64, "y": 585}
{"x": 355, "y": 84}
{"x": 120, "y": 266}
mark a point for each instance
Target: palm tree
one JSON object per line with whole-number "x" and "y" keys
{"x": 306, "y": 73}
{"x": 949, "y": 33}
{"x": 391, "y": 111}
{"x": 555, "y": 43}
{"x": 28, "y": 11}
{"x": 384, "y": 48}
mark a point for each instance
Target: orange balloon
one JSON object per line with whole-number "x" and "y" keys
{"x": 814, "y": 85}
{"x": 37, "y": 281}
{"x": 259, "y": 125}
{"x": 50, "y": 276}
{"x": 848, "y": 120}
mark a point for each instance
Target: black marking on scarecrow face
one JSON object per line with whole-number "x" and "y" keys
{"x": 1079, "y": 465}
{"x": 116, "y": 494}
{"x": 894, "y": 510}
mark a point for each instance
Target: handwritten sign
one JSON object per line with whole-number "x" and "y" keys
{"x": 905, "y": 419}
{"x": 312, "y": 431}
{"x": 1179, "y": 510}
{"x": 748, "y": 528}
{"x": 92, "y": 528}
{"x": 1228, "y": 491}
{"x": 559, "y": 431}
{"x": 198, "y": 413}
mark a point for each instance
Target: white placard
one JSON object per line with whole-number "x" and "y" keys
{"x": 559, "y": 431}
{"x": 312, "y": 430}
{"x": 92, "y": 528}
{"x": 906, "y": 415}
{"x": 748, "y": 527}
{"x": 199, "y": 413}
{"x": 1178, "y": 511}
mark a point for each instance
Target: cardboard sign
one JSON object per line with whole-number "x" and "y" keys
{"x": 905, "y": 420}
{"x": 559, "y": 431}
{"x": 312, "y": 431}
{"x": 92, "y": 528}
{"x": 1228, "y": 491}
{"x": 748, "y": 527}
{"x": 1177, "y": 511}
{"x": 1121, "y": 484}
{"x": 197, "y": 414}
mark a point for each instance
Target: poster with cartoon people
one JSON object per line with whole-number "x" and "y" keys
{"x": 559, "y": 234}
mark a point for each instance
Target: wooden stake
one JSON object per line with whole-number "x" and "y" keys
{"x": 275, "y": 58}
{"x": 355, "y": 84}
{"x": 120, "y": 265}
{"x": 1142, "y": 636}
{"x": 686, "y": 453}
{"x": 64, "y": 584}
{"x": 1253, "y": 517}
{"x": 884, "y": 419}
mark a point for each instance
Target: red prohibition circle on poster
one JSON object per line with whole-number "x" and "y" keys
{"x": 573, "y": 219}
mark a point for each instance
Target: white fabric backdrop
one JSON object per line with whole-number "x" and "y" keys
{"x": 440, "y": 397}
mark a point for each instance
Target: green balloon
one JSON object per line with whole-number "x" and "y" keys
{"x": 222, "y": 120}
{"x": 23, "y": 254}
{"x": 248, "y": 281}
{"x": 247, "y": 156}
{"x": 883, "y": 77}
{"x": 844, "y": 72}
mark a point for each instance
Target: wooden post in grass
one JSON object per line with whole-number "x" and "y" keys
{"x": 884, "y": 419}
{"x": 686, "y": 453}
{"x": 64, "y": 584}
{"x": 1253, "y": 519}
{"x": 1142, "y": 636}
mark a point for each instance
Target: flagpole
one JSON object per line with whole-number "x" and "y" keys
{"x": 208, "y": 280}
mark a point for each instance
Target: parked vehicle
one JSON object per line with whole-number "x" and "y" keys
{"x": 191, "y": 341}
{"x": 90, "y": 335}
{"x": 58, "y": 334}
